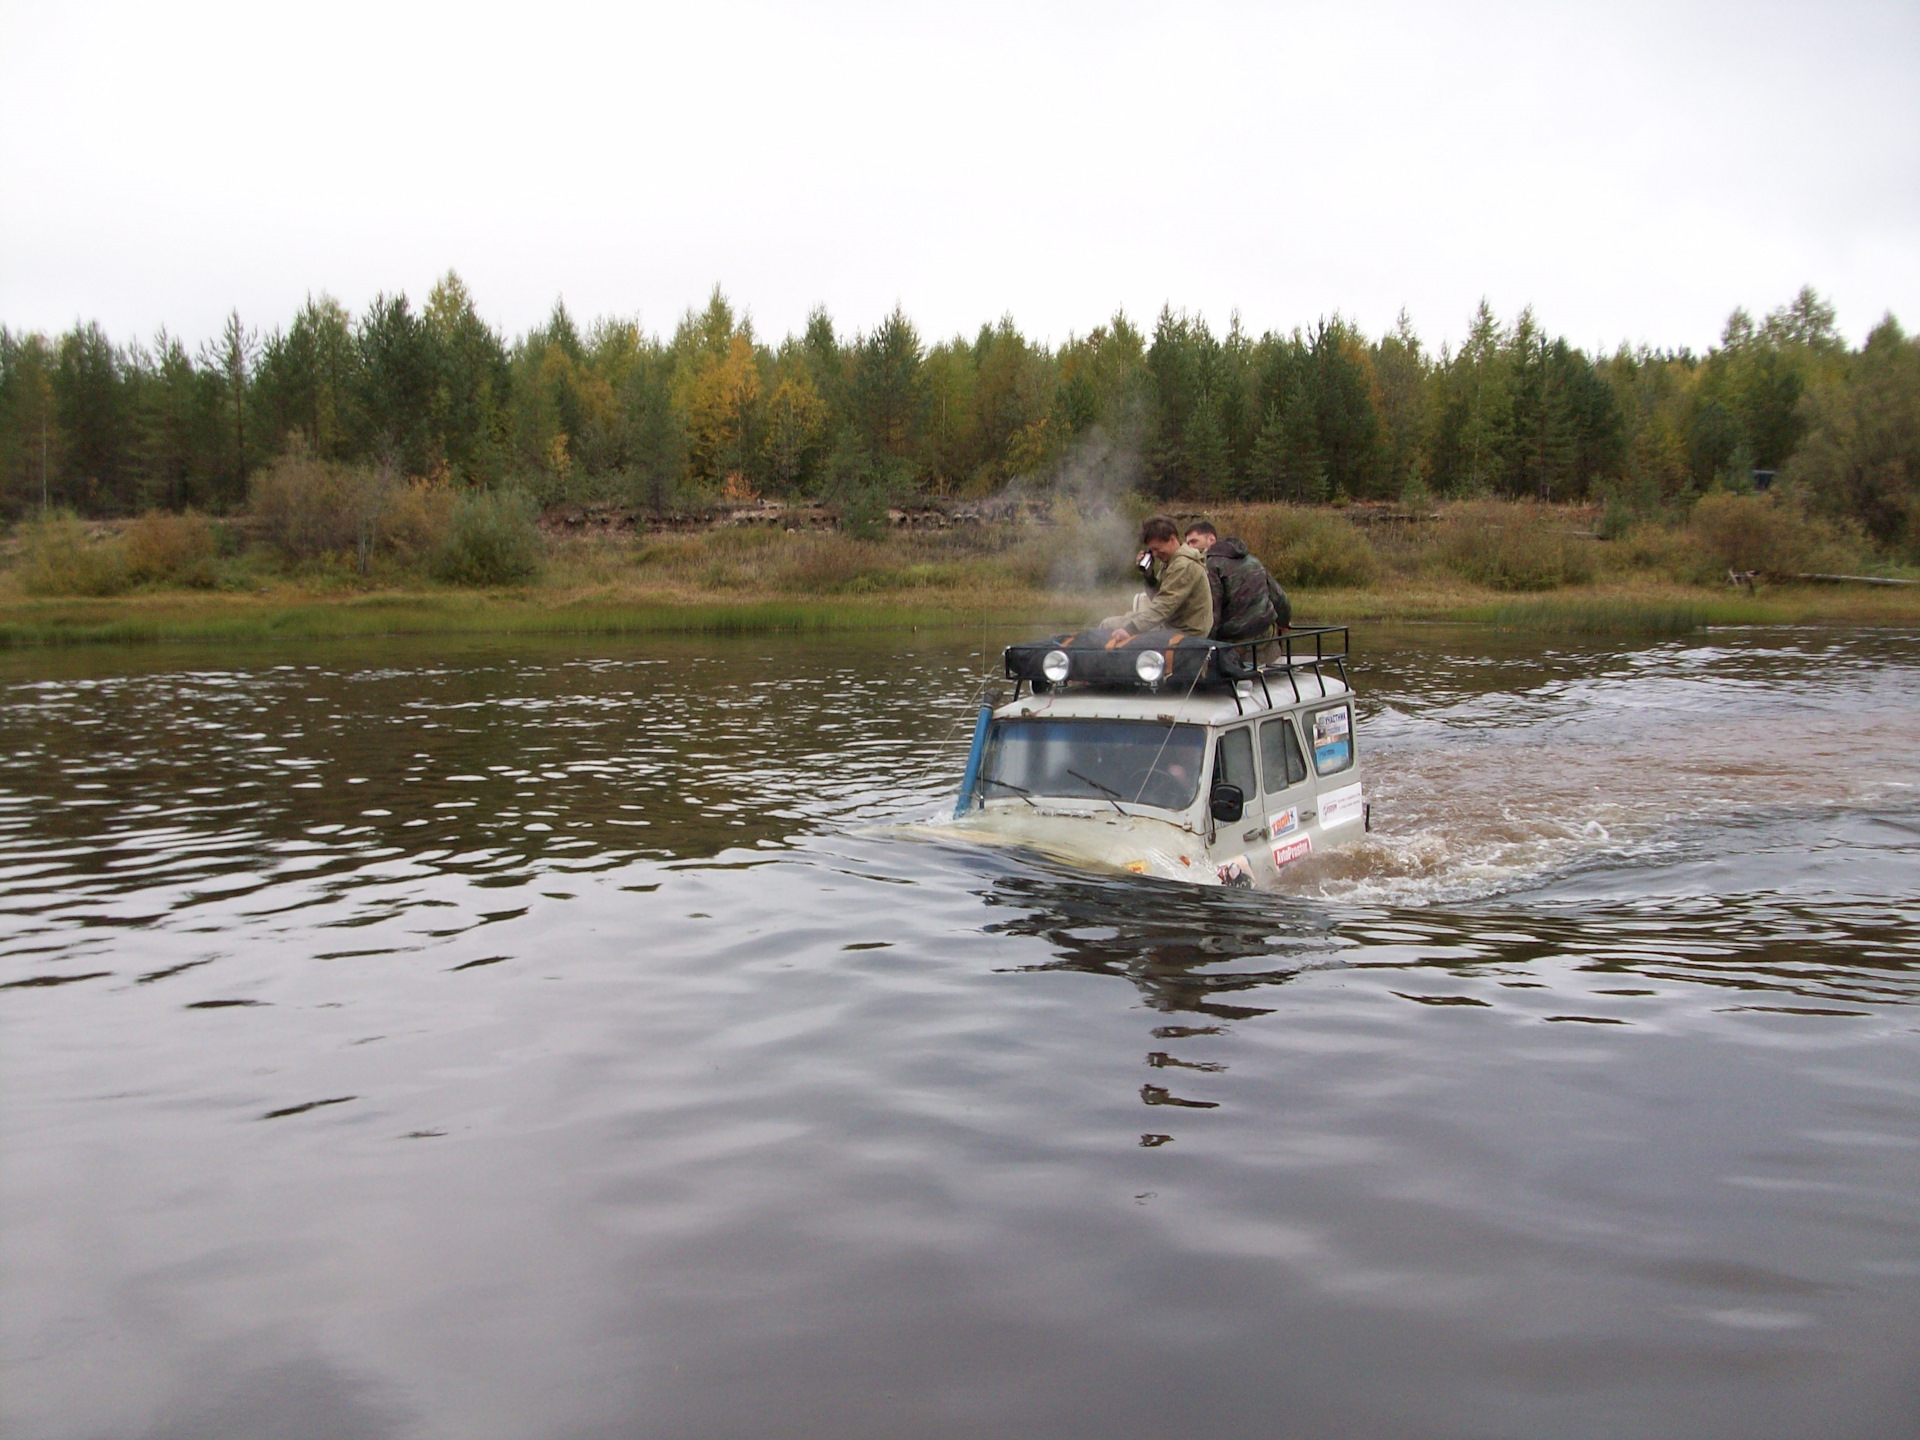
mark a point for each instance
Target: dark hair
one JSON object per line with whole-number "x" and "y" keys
{"x": 1157, "y": 527}
{"x": 1205, "y": 527}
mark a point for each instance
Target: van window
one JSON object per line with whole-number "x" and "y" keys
{"x": 1332, "y": 738}
{"x": 1280, "y": 757}
{"x": 1233, "y": 762}
{"x": 1128, "y": 760}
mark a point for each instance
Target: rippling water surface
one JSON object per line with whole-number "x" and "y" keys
{"x": 581, "y": 1041}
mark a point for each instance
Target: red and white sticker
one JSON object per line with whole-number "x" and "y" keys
{"x": 1340, "y": 807}
{"x": 1284, "y": 822}
{"x": 1289, "y": 851}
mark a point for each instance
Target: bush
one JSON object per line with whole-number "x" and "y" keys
{"x": 1513, "y": 547}
{"x": 863, "y": 512}
{"x": 491, "y": 540}
{"x": 417, "y": 519}
{"x": 164, "y": 549}
{"x": 1308, "y": 549}
{"x": 59, "y": 557}
{"x": 1756, "y": 532}
{"x": 311, "y": 507}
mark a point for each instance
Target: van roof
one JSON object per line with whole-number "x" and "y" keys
{"x": 1202, "y": 707}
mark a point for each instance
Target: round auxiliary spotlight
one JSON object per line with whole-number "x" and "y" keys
{"x": 1056, "y": 666}
{"x": 1150, "y": 666}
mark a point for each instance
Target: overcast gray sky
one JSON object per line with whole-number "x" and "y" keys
{"x": 1632, "y": 171}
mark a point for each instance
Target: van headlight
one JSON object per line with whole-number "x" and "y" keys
{"x": 1150, "y": 666}
{"x": 1056, "y": 666}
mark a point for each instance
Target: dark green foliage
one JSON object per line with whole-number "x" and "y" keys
{"x": 608, "y": 412}
{"x": 1344, "y": 413}
{"x": 658, "y": 441}
{"x": 394, "y": 385}
{"x": 1861, "y": 456}
{"x": 492, "y": 541}
{"x": 308, "y": 381}
{"x": 92, "y": 406}
{"x": 887, "y": 398}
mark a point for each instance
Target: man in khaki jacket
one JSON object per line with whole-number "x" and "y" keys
{"x": 1184, "y": 599}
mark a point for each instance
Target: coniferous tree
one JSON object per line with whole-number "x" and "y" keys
{"x": 888, "y": 401}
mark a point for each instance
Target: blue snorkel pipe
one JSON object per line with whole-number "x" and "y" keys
{"x": 971, "y": 780}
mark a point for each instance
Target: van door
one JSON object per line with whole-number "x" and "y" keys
{"x": 1237, "y": 844}
{"x": 1288, "y": 796}
{"x": 1338, "y": 796}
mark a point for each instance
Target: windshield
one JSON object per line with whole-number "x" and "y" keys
{"x": 1133, "y": 761}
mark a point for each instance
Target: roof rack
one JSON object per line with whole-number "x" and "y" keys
{"x": 1162, "y": 661}
{"x": 1293, "y": 662}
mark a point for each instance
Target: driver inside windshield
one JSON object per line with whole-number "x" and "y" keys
{"x": 1124, "y": 762}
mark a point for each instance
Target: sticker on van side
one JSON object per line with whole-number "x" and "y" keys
{"x": 1288, "y": 851}
{"x": 1340, "y": 807}
{"x": 1284, "y": 822}
{"x": 1235, "y": 872}
{"x": 1332, "y": 739}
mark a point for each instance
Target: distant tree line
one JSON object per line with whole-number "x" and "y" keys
{"x": 611, "y": 412}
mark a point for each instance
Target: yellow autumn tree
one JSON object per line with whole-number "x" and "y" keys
{"x": 796, "y": 417}
{"x": 718, "y": 399}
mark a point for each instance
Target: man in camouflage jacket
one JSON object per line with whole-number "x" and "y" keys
{"x": 1248, "y": 603}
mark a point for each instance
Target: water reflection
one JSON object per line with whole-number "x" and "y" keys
{"x": 333, "y": 792}
{"x": 1170, "y": 941}
{"x": 548, "y": 1040}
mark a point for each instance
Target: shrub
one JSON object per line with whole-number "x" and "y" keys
{"x": 491, "y": 540}
{"x": 166, "y": 549}
{"x": 1752, "y": 532}
{"x": 1513, "y": 547}
{"x": 1304, "y": 548}
{"x": 1663, "y": 549}
{"x": 310, "y": 507}
{"x": 417, "y": 519}
{"x": 863, "y": 512}
{"x": 59, "y": 557}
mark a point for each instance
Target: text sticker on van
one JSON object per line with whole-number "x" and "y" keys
{"x": 1288, "y": 851}
{"x": 1340, "y": 807}
{"x": 1332, "y": 740}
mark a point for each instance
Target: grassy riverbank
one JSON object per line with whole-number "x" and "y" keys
{"x": 293, "y": 615}
{"x": 1509, "y": 565}
{"x": 296, "y": 613}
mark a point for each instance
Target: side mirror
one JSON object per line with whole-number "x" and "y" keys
{"x": 1228, "y": 803}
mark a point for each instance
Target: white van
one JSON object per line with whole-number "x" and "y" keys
{"x": 1165, "y": 755}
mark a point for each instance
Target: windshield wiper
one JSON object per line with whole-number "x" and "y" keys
{"x": 1026, "y": 795}
{"x": 1113, "y": 796}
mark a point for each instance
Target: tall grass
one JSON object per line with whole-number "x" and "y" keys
{"x": 1303, "y": 548}
{"x": 1512, "y": 547}
{"x": 224, "y": 619}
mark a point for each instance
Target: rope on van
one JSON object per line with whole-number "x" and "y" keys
{"x": 1199, "y": 670}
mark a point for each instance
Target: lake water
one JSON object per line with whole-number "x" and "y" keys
{"x": 579, "y": 1040}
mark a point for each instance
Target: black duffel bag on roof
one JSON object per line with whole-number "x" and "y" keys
{"x": 1155, "y": 660}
